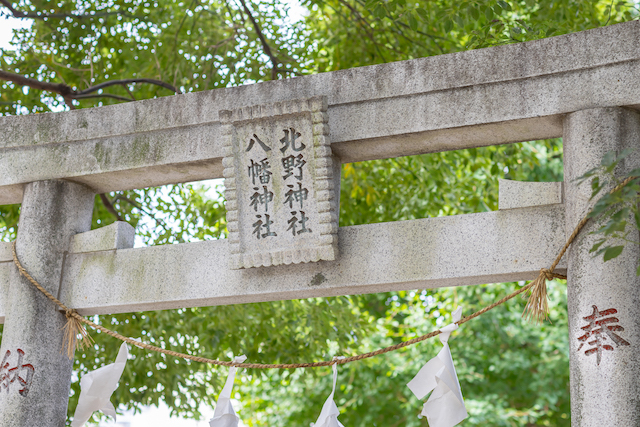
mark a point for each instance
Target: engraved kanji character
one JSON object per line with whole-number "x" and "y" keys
{"x": 289, "y": 140}
{"x": 260, "y": 171}
{"x": 291, "y": 162}
{"x": 600, "y": 335}
{"x": 294, "y": 221}
{"x": 22, "y": 373}
{"x": 252, "y": 141}
{"x": 299, "y": 195}
{"x": 261, "y": 198}
{"x": 4, "y": 369}
{"x": 258, "y": 225}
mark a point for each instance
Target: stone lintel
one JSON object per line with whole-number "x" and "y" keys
{"x": 427, "y": 253}
{"x": 519, "y": 194}
{"x": 119, "y": 235}
{"x": 468, "y": 99}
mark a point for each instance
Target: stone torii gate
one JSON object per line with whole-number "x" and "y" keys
{"x": 279, "y": 145}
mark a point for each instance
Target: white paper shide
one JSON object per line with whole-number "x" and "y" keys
{"x": 329, "y": 414}
{"x": 224, "y": 415}
{"x": 96, "y": 388}
{"x": 445, "y": 407}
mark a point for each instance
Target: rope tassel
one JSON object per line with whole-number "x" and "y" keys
{"x": 537, "y": 308}
{"x": 75, "y": 334}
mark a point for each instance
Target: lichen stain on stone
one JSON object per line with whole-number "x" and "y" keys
{"x": 318, "y": 279}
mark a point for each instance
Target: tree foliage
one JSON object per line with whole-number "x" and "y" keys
{"x": 616, "y": 211}
{"x": 80, "y": 54}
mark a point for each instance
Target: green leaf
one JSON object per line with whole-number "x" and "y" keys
{"x": 423, "y": 13}
{"x": 595, "y": 187}
{"x": 488, "y": 13}
{"x": 624, "y": 153}
{"x": 596, "y": 245}
{"x": 506, "y": 6}
{"x": 371, "y": 3}
{"x": 612, "y": 252}
{"x": 638, "y": 271}
{"x": 413, "y": 22}
{"x": 475, "y": 13}
{"x": 448, "y": 25}
{"x": 379, "y": 11}
{"x": 608, "y": 159}
{"x": 550, "y": 32}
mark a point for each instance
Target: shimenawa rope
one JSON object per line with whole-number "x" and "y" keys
{"x": 537, "y": 309}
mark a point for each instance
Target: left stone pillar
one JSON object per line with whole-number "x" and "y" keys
{"x": 36, "y": 389}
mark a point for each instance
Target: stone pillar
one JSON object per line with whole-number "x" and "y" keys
{"x": 36, "y": 391}
{"x": 605, "y": 367}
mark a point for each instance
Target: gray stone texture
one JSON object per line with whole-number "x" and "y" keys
{"x": 607, "y": 393}
{"x": 469, "y": 99}
{"x": 5, "y": 251}
{"x": 428, "y": 253}
{"x": 52, "y": 211}
{"x": 517, "y": 194}
{"x": 119, "y": 235}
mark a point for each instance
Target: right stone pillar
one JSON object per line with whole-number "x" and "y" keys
{"x": 603, "y": 297}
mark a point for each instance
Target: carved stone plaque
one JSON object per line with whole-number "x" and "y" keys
{"x": 282, "y": 206}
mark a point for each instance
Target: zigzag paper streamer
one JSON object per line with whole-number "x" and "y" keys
{"x": 96, "y": 388}
{"x": 329, "y": 414}
{"x": 445, "y": 407}
{"x": 224, "y": 415}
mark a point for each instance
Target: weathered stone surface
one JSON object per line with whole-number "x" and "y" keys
{"x": 5, "y": 270}
{"x": 468, "y": 99}
{"x": 518, "y": 194}
{"x": 119, "y": 235}
{"x": 280, "y": 184}
{"x": 429, "y": 253}
{"x": 605, "y": 384}
{"x": 52, "y": 211}
{"x": 5, "y": 251}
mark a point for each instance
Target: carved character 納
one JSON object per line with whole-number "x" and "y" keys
{"x": 20, "y": 373}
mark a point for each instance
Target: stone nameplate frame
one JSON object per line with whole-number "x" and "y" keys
{"x": 282, "y": 201}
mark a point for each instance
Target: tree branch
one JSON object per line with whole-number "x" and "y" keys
{"x": 68, "y": 93}
{"x": 265, "y": 46}
{"x": 60, "y": 88}
{"x": 39, "y": 15}
{"x": 133, "y": 203}
{"x": 127, "y": 81}
{"x": 107, "y": 204}
{"x": 103, "y": 95}
{"x": 366, "y": 27}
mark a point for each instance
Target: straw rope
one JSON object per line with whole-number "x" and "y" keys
{"x": 536, "y": 309}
